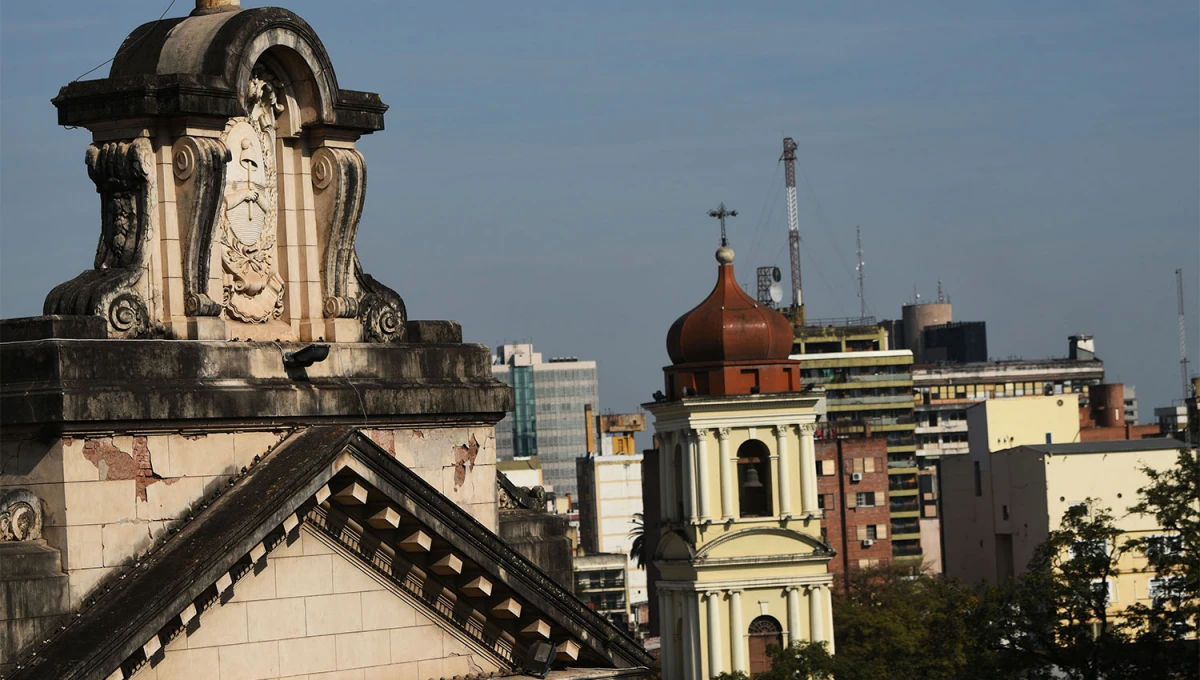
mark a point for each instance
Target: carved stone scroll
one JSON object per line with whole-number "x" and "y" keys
{"x": 20, "y": 515}
{"x": 339, "y": 178}
{"x": 124, "y": 176}
{"x": 381, "y": 310}
{"x": 199, "y": 165}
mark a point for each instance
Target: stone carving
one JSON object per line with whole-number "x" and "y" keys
{"x": 124, "y": 176}
{"x": 20, "y": 515}
{"x": 513, "y": 497}
{"x": 199, "y": 165}
{"x": 253, "y": 289}
{"x": 382, "y": 311}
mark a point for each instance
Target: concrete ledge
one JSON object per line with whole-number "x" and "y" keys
{"x": 56, "y": 326}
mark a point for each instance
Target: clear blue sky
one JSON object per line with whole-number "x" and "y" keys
{"x": 546, "y": 166}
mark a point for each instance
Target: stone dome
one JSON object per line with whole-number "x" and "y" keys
{"x": 729, "y": 325}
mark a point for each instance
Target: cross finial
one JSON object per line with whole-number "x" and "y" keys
{"x": 721, "y": 213}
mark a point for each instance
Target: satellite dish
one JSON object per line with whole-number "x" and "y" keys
{"x": 776, "y": 291}
{"x": 776, "y": 276}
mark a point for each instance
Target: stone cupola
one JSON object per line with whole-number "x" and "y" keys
{"x": 730, "y": 344}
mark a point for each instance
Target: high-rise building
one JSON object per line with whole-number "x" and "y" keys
{"x": 546, "y": 421}
{"x": 869, "y": 393}
{"x": 740, "y": 563}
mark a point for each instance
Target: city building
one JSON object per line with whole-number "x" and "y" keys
{"x": 1104, "y": 417}
{"x": 525, "y": 472}
{"x": 549, "y": 400}
{"x": 600, "y": 582}
{"x": 944, "y": 392}
{"x": 852, "y": 488}
{"x": 869, "y": 393}
{"x": 610, "y": 509}
{"x": 740, "y": 562}
{"x": 261, "y": 468}
{"x": 1001, "y": 503}
{"x": 955, "y": 342}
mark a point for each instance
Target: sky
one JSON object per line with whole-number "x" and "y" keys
{"x": 546, "y": 167}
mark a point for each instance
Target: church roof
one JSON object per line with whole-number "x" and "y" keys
{"x": 729, "y": 325}
{"x": 340, "y": 483}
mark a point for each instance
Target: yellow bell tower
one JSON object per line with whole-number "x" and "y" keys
{"x": 739, "y": 553}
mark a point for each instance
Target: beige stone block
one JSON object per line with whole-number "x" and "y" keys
{"x": 285, "y": 549}
{"x": 83, "y": 581}
{"x": 221, "y": 625}
{"x": 417, "y": 643}
{"x": 254, "y": 661}
{"x": 204, "y": 455}
{"x": 353, "y": 674}
{"x": 123, "y": 541}
{"x": 396, "y": 671}
{"x": 387, "y": 610}
{"x": 75, "y": 466}
{"x": 463, "y": 665}
{"x": 170, "y": 499}
{"x": 178, "y": 642}
{"x": 364, "y": 649}
{"x": 314, "y": 545}
{"x": 186, "y": 664}
{"x": 431, "y": 668}
{"x": 159, "y": 446}
{"x": 350, "y": 578}
{"x": 254, "y": 587}
{"x": 247, "y": 445}
{"x": 301, "y": 576}
{"x": 329, "y": 614}
{"x": 275, "y": 619}
{"x": 85, "y": 548}
{"x": 307, "y": 655}
{"x": 448, "y": 565}
{"x": 385, "y": 518}
{"x": 100, "y": 502}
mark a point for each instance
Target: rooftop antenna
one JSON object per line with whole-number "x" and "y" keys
{"x": 1183, "y": 360}
{"x": 789, "y": 167}
{"x": 721, "y": 213}
{"x": 862, "y": 300}
{"x": 941, "y": 298}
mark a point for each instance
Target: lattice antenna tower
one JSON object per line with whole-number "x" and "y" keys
{"x": 789, "y": 168}
{"x": 1183, "y": 360}
{"x": 862, "y": 300}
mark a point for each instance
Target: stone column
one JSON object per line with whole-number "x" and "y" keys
{"x": 793, "y": 614}
{"x": 808, "y": 470}
{"x": 737, "y": 634}
{"x": 702, "y": 474}
{"x": 689, "y": 477}
{"x": 666, "y": 634}
{"x": 727, "y": 474}
{"x": 715, "y": 665}
{"x": 816, "y": 613}
{"x": 666, "y": 477}
{"x": 785, "y": 473}
{"x": 688, "y": 602}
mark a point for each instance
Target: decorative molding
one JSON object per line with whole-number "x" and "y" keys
{"x": 253, "y": 289}
{"x": 200, "y": 165}
{"x": 381, "y": 310}
{"x": 513, "y": 497}
{"x": 339, "y": 177}
{"x": 723, "y": 433}
{"x": 20, "y": 515}
{"x": 123, "y": 172}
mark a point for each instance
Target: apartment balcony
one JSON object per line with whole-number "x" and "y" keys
{"x": 906, "y": 548}
{"x": 892, "y": 399}
{"x": 906, "y": 483}
{"x": 901, "y": 463}
{"x": 944, "y": 449}
{"x": 942, "y": 426}
{"x": 904, "y": 504}
{"x": 598, "y": 586}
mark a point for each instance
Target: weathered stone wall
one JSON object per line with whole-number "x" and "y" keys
{"x": 314, "y": 613}
{"x": 105, "y": 499}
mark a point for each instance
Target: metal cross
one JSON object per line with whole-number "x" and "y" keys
{"x": 721, "y": 213}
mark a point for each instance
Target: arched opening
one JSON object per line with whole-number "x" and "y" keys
{"x": 754, "y": 479}
{"x": 677, "y": 480}
{"x": 764, "y": 631}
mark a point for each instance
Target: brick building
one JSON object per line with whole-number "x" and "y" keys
{"x": 852, "y": 488}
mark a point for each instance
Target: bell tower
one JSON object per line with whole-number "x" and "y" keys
{"x": 739, "y": 551}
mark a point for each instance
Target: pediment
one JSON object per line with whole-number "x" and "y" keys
{"x": 339, "y": 483}
{"x": 763, "y": 542}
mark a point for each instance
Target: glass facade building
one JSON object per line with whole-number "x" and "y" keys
{"x": 548, "y": 412}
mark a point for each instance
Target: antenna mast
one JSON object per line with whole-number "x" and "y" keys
{"x": 862, "y": 300}
{"x": 789, "y": 166}
{"x": 1183, "y": 360}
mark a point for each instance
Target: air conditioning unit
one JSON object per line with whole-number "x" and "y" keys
{"x": 868, "y": 542}
{"x": 856, "y": 476}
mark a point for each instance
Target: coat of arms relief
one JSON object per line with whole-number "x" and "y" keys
{"x": 252, "y": 287}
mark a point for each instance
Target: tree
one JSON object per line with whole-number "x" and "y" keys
{"x": 1159, "y": 630}
{"x": 637, "y": 549}
{"x": 798, "y": 661}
